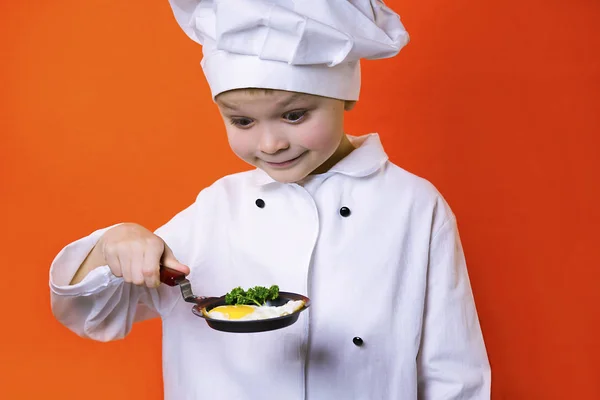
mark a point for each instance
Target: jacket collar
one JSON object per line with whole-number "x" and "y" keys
{"x": 368, "y": 158}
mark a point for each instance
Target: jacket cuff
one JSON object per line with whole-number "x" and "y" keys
{"x": 68, "y": 261}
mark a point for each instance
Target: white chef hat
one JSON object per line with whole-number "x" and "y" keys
{"x": 308, "y": 46}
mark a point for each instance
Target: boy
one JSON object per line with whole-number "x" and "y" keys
{"x": 324, "y": 213}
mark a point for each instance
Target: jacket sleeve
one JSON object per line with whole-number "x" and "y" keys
{"x": 452, "y": 360}
{"x": 102, "y": 306}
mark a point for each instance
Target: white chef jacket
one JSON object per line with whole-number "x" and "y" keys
{"x": 391, "y": 271}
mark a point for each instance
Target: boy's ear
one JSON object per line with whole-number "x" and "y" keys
{"x": 349, "y": 105}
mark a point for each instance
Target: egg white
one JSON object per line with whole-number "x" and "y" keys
{"x": 262, "y": 312}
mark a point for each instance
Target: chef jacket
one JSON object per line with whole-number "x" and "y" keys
{"x": 376, "y": 249}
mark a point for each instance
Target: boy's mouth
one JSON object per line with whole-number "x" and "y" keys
{"x": 284, "y": 164}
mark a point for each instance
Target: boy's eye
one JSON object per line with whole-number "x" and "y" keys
{"x": 241, "y": 122}
{"x": 295, "y": 116}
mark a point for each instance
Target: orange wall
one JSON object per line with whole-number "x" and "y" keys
{"x": 105, "y": 116}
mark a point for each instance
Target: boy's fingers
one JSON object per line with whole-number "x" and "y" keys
{"x": 150, "y": 268}
{"x": 136, "y": 265}
{"x": 113, "y": 264}
{"x": 169, "y": 260}
{"x": 124, "y": 262}
{"x": 110, "y": 252}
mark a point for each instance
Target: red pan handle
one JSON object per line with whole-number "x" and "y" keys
{"x": 170, "y": 276}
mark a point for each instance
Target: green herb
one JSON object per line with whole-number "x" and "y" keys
{"x": 257, "y": 295}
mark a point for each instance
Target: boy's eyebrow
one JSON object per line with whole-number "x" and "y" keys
{"x": 227, "y": 105}
{"x": 291, "y": 99}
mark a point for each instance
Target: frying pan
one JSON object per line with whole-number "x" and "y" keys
{"x": 202, "y": 305}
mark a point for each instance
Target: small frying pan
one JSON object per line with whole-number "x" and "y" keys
{"x": 202, "y": 305}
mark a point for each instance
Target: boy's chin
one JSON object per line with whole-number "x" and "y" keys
{"x": 287, "y": 176}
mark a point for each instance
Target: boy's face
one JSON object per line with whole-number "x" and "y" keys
{"x": 286, "y": 134}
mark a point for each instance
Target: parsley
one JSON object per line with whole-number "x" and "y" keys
{"x": 257, "y": 295}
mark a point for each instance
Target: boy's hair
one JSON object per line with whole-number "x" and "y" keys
{"x": 250, "y": 91}
{"x": 258, "y": 90}
{"x": 349, "y": 105}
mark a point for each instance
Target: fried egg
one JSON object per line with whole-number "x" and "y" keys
{"x": 250, "y": 313}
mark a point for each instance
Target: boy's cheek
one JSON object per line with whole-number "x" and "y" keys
{"x": 235, "y": 141}
{"x": 241, "y": 148}
{"x": 239, "y": 152}
{"x": 322, "y": 136}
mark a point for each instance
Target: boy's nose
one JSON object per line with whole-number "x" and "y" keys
{"x": 272, "y": 142}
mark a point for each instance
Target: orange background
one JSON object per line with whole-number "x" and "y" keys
{"x": 105, "y": 116}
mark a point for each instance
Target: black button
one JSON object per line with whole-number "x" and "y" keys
{"x": 260, "y": 203}
{"x": 357, "y": 341}
{"x": 344, "y": 211}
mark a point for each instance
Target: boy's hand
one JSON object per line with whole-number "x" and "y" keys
{"x": 132, "y": 252}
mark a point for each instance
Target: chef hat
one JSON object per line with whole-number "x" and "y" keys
{"x": 308, "y": 46}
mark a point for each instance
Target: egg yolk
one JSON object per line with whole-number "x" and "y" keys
{"x": 234, "y": 312}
